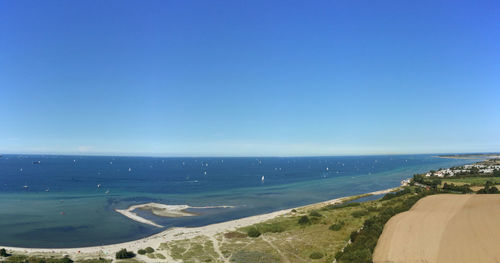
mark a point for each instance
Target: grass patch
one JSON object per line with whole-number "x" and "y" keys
{"x": 473, "y": 181}
{"x": 98, "y": 260}
{"x": 244, "y": 256}
{"x": 316, "y": 255}
{"x": 359, "y": 213}
{"x": 33, "y": 259}
{"x": 235, "y": 235}
{"x": 339, "y": 206}
{"x": 198, "y": 249}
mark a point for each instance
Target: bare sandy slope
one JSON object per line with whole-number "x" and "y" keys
{"x": 444, "y": 228}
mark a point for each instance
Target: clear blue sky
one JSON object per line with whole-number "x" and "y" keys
{"x": 249, "y": 77}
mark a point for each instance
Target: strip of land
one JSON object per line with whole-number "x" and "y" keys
{"x": 162, "y": 210}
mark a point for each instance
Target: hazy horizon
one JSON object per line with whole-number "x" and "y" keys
{"x": 234, "y": 156}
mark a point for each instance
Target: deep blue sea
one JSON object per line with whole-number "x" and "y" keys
{"x": 57, "y": 202}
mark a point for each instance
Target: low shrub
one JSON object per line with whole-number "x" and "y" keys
{"x": 26, "y": 259}
{"x": 304, "y": 220}
{"x": 124, "y": 254}
{"x": 3, "y": 253}
{"x": 338, "y": 206}
{"x": 337, "y": 226}
{"x": 316, "y": 255}
{"x": 315, "y": 213}
{"x": 149, "y": 250}
{"x": 253, "y": 232}
{"x": 392, "y": 195}
{"x": 488, "y": 189}
{"x": 359, "y": 213}
{"x": 464, "y": 189}
{"x": 141, "y": 251}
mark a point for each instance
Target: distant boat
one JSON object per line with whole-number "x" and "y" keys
{"x": 107, "y": 192}
{"x": 262, "y": 179}
{"x": 47, "y": 190}
{"x": 98, "y": 185}
{"x": 130, "y": 169}
{"x": 36, "y": 162}
{"x": 25, "y": 187}
{"x": 20, "y": 170}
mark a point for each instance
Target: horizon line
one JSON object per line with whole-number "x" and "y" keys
{"x": 245, "y": 156}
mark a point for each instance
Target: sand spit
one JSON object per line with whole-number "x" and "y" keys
{"x": 162, "y": 210}
{"x": 178, "y": 233}
{"x": 443, "y": 228}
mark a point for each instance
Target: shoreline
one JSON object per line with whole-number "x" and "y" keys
{"x": 179, "y": 233}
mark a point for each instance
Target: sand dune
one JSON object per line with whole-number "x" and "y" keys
{"x": 444, "y": 228}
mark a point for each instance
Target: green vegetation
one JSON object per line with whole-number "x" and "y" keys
{"x": 3, "y": 253}
{"x": 235, "y": 235}
{"x": 316, "y": 255}
{"x": 359, "y": 213}
{"x": 253, "y": 256}
{"x": 433, "y": 182}
{"x": 304, "y": 220}
{"x": 392, "y": 195}
{"x": 275, "y": 227}
{"x": 26, "y": 259}
{"x": 339, "y": 206}
{"x": 141, "y": 251}
{"x": 197, "y": 249}
{"x": 253, "y": 232}
{"x": 99, "y": 260}
{"x": 315, "y": 213}
{"x": 488, "y": 189}
{"x": 149, "y": 250}
{"x": 123, "y": 254}
{"x": 464, "y": 189}
{"x": 473, "y": 181}
{"x": 337, "y": 226}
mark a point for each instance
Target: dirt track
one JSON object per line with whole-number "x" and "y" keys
{"x": 444, "y": 228}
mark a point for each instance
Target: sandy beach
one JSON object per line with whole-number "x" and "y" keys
{"x": 443, "y": 228}
{"x": 177, "y": 233}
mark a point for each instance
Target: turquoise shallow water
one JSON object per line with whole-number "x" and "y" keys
{"x": 57, "y": 203}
